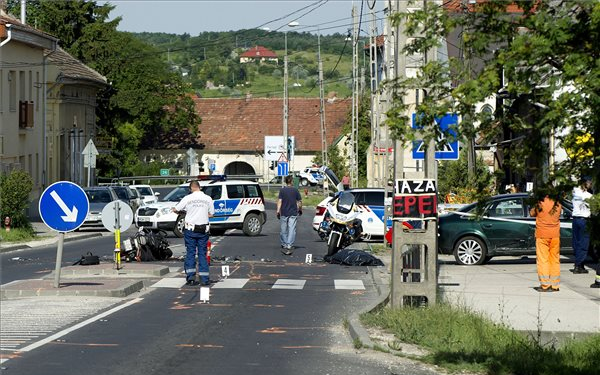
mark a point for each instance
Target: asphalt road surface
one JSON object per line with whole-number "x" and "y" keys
{"x": 275, "y": 314}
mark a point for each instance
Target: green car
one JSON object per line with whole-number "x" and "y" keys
{"x": 504, "y": 228}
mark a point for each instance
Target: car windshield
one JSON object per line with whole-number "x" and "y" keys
{"x": 177, "y": 194}
{"x": 144, "y": 190}
{"x": 98, "y": 196}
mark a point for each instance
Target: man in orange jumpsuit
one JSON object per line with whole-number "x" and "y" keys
{"x": 547, "y": 243}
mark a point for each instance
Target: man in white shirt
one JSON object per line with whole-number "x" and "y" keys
{"x": 198, "y": 208}
{"x": 581, "y": 216}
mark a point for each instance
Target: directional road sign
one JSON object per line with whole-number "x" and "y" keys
{"x": 283, "y": 168}
{"x": 164, "y": 172}
{"x": 63, "y": 206}
{"x": 448, "y": 151}
{"x": 117, "y": 215}
{"x": 274, "y": 147}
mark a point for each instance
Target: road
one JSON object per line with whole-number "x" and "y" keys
{"x": 277, "y": 314}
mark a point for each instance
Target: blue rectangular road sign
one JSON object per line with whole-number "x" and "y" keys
{"x": 283, "y": 168}
{"x": 450, "y": 150}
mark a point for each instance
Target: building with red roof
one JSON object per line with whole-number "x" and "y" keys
{"x": 258, "y": 53}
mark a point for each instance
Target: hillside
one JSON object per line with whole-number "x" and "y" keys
{"x": 211, "y": 59}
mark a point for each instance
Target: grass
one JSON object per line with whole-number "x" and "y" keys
{"x": 461, "y": 340}
{"x": 17, "y": 235}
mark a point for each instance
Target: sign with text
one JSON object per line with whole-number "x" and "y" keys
{"x": 415, "y": 199}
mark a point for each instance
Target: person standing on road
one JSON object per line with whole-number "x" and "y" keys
{"x": 547, "y": 243}
{"x": 198, "y": 208}
{"x": 346, "y": 181}
{"x": 289, "y": 207}
{"x": 581, "y": 216}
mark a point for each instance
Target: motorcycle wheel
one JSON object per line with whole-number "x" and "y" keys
{"x": 332, "y": 247}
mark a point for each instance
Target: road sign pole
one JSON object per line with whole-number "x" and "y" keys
{"x": 117, "y": 209}
{"x": 59, "y": 252}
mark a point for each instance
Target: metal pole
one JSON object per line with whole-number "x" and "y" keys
{"x": 322, "y": 108}
{"x": 285, "y": 105}
{"x": 59, "y": 252}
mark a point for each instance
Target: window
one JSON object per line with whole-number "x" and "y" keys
{"x": 235, "y": 191}
{"x": 38, "y": 85}
{"x": 22, "y": 85}
{"x": 512, "y": 207}
{"x": 25, "y": 114}
{"x": 374, "y": 198}
{"x": 253, "y": 191}
{"x": 213, "y": 191}
{"x": 12, "y": 91}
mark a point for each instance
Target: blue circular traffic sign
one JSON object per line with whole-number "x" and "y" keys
{"x": 63, "y": 206}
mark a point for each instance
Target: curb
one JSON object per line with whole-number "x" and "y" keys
{"x": 355, "y": 327}
{"x": 22, "y": 246}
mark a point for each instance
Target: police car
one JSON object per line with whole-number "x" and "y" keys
{"x": 237, "y": 204}
{"x": 311, "y": 176}
{"x": 371, "y": 204}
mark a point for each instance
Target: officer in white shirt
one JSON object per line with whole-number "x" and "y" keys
{"x": 198, "y": 208}
{"x": 581, "y": 215}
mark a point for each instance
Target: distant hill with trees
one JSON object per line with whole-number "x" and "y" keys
{"x": 213, "y": 57}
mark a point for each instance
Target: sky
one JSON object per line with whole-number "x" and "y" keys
{"x": 196, "y": 16}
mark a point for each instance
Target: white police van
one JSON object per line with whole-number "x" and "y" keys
{"x": 237, "y": 204}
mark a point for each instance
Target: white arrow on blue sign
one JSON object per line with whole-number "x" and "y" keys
{"x": 450, "y": 150}
{"x": 64, "y": 206}
{"x": 283, "y": 168}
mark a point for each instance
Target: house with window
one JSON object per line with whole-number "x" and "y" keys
{"x": 258, "y": 53}
{"x": 47, "y": 106}
{"x": 22, "y": 110}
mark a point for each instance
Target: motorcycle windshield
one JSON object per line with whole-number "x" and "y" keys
{"x": 345, "y": 202}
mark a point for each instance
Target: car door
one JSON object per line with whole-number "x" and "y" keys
{"x": 506, "y": 227}
{"x": 373, "y": 212}
{"x": 216, "y": 192}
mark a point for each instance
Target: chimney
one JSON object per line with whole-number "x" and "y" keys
{"x": 23, "y": 9}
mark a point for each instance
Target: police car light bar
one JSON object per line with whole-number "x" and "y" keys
{"x": 212, "y": 177}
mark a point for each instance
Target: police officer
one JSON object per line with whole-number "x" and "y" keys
{"x": 198, "y": 208}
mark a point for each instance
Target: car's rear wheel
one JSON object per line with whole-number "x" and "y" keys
{"x": 178, "y": 230}
{"x": 304, "y": 182}
{"x": 470, "y": 251}
{"x": 252, "y": 225}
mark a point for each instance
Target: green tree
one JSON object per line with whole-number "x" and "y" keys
{"x": 14, "y": 197}
{"x": 545, "y": 66}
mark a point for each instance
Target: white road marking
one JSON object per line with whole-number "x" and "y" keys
{"x": 289, "y": 284}
{"x": 79, "y": 325}
{"x": 349, "y": 284}
{"x": 174, "y": 282}
{"x": 230, "y": 284}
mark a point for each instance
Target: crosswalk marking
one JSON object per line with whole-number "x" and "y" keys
{"x": 173, "y": 282}
{"x": 289, "y": 284}
{"x": 230, "y": 284}
{"x": 349, "y": 284}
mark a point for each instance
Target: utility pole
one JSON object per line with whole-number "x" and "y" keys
{"x": 414, "y": 254}
{"x": 355, "y": 103}
{"x": 285, "y": 106}
{"x": 374, "y": 173}
{"x": 322, "y": 108}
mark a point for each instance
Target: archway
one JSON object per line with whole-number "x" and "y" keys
{"x": 239, "y": 168}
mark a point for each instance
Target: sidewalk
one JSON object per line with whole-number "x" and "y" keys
{"x": 46, "y": 237}
{"x": 503, "y": 291}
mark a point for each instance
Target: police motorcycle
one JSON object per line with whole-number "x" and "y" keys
{"x": 341, "y": 223}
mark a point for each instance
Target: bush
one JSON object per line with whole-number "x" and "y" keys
{"x": 14, "y": 198}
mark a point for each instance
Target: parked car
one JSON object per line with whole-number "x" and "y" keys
{"x": 139, "y": 201}
{"x": 503, "y": 228}
{"x": 370, "y": 202}
{"x": 98, "y": 197}
{"x": 147, "y": 193}
{"x": 125, "y": 195}
{"x": 237, "y": 204}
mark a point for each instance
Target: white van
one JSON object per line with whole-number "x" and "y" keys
{"x": 148, "y": 195}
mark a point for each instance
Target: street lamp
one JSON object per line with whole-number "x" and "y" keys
{"x": 285, "y": 99}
